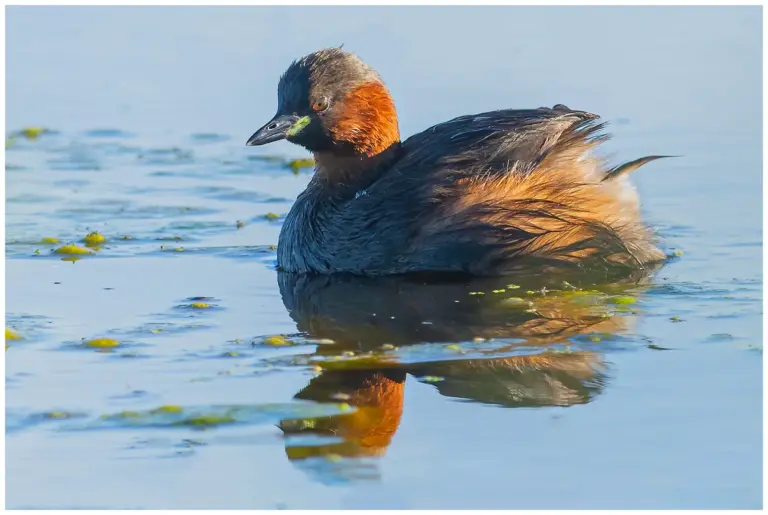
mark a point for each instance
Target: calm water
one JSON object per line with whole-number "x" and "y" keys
{"x": 235, "y": 388}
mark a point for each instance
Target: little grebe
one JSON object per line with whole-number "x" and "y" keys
{"x": 479, "y": 194}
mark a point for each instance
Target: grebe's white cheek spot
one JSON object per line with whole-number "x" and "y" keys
{"x": 361, "y": 193}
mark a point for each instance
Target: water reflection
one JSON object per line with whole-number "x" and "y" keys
{"x": 546, "y": 330}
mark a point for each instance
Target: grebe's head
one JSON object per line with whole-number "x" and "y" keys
{"x": 331, "y": 101}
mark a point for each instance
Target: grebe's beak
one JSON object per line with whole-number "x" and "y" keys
{"x": 276, "y": 129}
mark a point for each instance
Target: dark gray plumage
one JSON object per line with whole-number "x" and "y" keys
{"x": 479, "y": 194}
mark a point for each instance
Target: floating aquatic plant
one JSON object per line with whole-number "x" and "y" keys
{"x": 72, "y": 249}
{"x": 622, "y": 300}
{"x": 101, "y": 343}
{"x": 276, "y": 341}
{"x": 94, "y": 238}
{"x": 296, "y": 165}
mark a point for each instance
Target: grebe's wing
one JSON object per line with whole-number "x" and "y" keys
{"x": 505, "y": 141}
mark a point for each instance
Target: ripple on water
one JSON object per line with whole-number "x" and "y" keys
{"x": 108, "y": 133}
{"x": 174, "y": 416}
{"x": 209, "y": 137}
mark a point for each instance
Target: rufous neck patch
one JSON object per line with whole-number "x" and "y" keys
{"x": 368, "y": 119}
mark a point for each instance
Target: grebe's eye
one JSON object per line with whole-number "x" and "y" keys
{"x": 320, "y": 105}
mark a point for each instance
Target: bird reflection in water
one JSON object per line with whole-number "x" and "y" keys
{"x": 536, "y": 326}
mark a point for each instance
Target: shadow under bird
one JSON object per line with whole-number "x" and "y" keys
{"x": 482, "y": 194}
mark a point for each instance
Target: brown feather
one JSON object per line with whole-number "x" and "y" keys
{"x": 368, "y": 120}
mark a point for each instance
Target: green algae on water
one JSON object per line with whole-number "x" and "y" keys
{"x": 32, "y": 133}
{"x": 94, "y": 238}
{"x": 202, "y": 421}
{"x": 199, "y": 305}
{"x": 622, "y": 300}
{"x": 101, "y": 343}
{"x": 271, "y": 216}
{"x": 276, "y": 341}
{"x": 11, "y": 335}
{"x": 168, "y": 408}
{"x": 50, "y": 241}
{"x": 58, "y": 415}
{"x": 122, "y": 414}
{"x": 72, "y": 249}
{"x": 296, "y": 165}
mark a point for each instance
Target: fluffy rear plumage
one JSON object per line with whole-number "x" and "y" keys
{"x": 535, "y": 192}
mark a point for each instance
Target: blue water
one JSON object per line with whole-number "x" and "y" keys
{"x": 656, "y": 405}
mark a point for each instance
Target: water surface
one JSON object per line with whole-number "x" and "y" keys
{"x": 235, "y": 387}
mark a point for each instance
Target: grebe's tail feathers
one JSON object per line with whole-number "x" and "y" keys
{"x": 630, "y": 167}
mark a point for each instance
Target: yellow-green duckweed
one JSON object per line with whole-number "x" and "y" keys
{"x": 271, "y": 216}
{"x": 58, "y": 415}
{"x": 101, "y": 343}
{"x": 94, "y": 238}
{"x": 622, "y": 300}
{"x": 276, "y": 341}
{"x": 297, "y": 164}
{"x": 72, "y": 249}
{"x": 32, "y": 133}
{"x": 50, "y": 241}
{"x": 206, "y": 420}
{"x": 168, "y": 408}
{"x": 11, "y": 335}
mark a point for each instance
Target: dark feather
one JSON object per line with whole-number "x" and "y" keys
{"x": 630, "y": 167}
